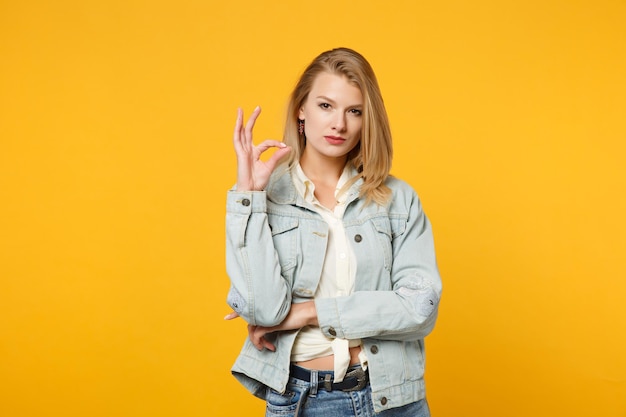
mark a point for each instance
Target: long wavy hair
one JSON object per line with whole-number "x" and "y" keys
{"x": 372, "y": 155}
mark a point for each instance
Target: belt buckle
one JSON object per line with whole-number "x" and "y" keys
{"x": 361, "y": 379}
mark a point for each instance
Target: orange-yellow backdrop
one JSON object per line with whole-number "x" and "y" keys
{"x": 115, "y": 156}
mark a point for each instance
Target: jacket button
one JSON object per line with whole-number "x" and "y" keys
{"x": 383, "y": 400}
{"x": 245, "y": 202}
{"x": 358, "y": 238}
{"x": 332, "y": 331}
{"x": 374, "y": 349}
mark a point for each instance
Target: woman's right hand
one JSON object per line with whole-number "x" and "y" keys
{"x": 252, "y": 173}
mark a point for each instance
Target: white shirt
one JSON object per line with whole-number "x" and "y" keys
{"x": 338, "y": 275}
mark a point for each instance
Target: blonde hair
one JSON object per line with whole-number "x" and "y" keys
{"x": 372, "y": 156}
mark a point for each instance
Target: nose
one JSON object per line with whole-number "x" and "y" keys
{"x": 340, "y": 122}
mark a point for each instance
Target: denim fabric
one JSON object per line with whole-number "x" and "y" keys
{"x": 302, "y": 399}
{"x": 274, "y": 254}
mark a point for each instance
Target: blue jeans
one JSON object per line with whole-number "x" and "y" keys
{"x": 304, "y": 399}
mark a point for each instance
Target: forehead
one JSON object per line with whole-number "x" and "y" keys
{"x": 336, "y": 87}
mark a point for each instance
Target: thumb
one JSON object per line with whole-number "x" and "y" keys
{"x": 277, "y": 156}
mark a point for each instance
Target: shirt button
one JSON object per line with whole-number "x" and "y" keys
{"x": 358, "y": 238}
{"x": 383, "y": 400}
{"x": 332, "y": 331}
{"x": 245, "y": 202}
{"x": 374, "y": 349}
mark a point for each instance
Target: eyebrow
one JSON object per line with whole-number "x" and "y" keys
{"x": 333, "y": 101}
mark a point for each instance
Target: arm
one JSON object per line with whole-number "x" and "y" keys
{"x": 251, "y": 260}
{"x": 406, "y": 312}
{"x": 300, "y": 315}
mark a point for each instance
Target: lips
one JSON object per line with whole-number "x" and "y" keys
{"x": 334, "y": 140}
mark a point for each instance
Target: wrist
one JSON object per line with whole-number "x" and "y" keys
{"x": 313, "y": 314}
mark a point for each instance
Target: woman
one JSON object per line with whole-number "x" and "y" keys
{"x": 331, "y": 260}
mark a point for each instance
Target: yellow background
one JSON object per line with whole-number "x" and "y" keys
{"x": 115, "y": 157}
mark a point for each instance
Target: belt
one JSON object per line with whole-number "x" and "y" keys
{"x": 355, "y": 379}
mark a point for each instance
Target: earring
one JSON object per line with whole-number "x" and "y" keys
{"x": 301, "y": 127}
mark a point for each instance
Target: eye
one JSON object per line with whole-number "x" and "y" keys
{"x": 356, "y": 112}
{"x": 324, "y": 105}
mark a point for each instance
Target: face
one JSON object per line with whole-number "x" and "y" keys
{"x": 332, "y": 115}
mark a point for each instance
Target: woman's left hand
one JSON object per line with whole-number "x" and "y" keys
{"x": 300, "y": 315}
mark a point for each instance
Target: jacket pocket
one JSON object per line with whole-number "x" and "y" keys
{"x": 285, "y": 237}
{"x": 382, "y": 226}
{"x": 397, "y": 223}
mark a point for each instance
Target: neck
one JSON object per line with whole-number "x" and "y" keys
{"x": 323, "y": 170}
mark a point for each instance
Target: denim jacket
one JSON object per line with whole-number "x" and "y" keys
{"x": 274, "y": 254}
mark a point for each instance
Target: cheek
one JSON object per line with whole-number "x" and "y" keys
{"x": 310, "y": 124}
{"x": 357, "y": 125}
{"x": 316, "y": 122}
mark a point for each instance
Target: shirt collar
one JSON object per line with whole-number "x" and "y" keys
{"x": 306, "y": 188}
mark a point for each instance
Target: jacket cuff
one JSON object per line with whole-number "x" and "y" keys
{"x": 328, "y": 317}
{"x": 246, "y": 202}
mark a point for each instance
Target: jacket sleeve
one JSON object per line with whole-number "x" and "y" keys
{"x": 408, "y": 310}
{"x": 258, "y": 292}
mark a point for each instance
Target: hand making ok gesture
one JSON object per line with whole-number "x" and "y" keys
{"x": 252, "y": 173}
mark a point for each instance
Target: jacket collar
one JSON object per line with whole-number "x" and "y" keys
{"x": 281, "y": 189}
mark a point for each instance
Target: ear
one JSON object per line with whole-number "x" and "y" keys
{"x": 301, "y": 114}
